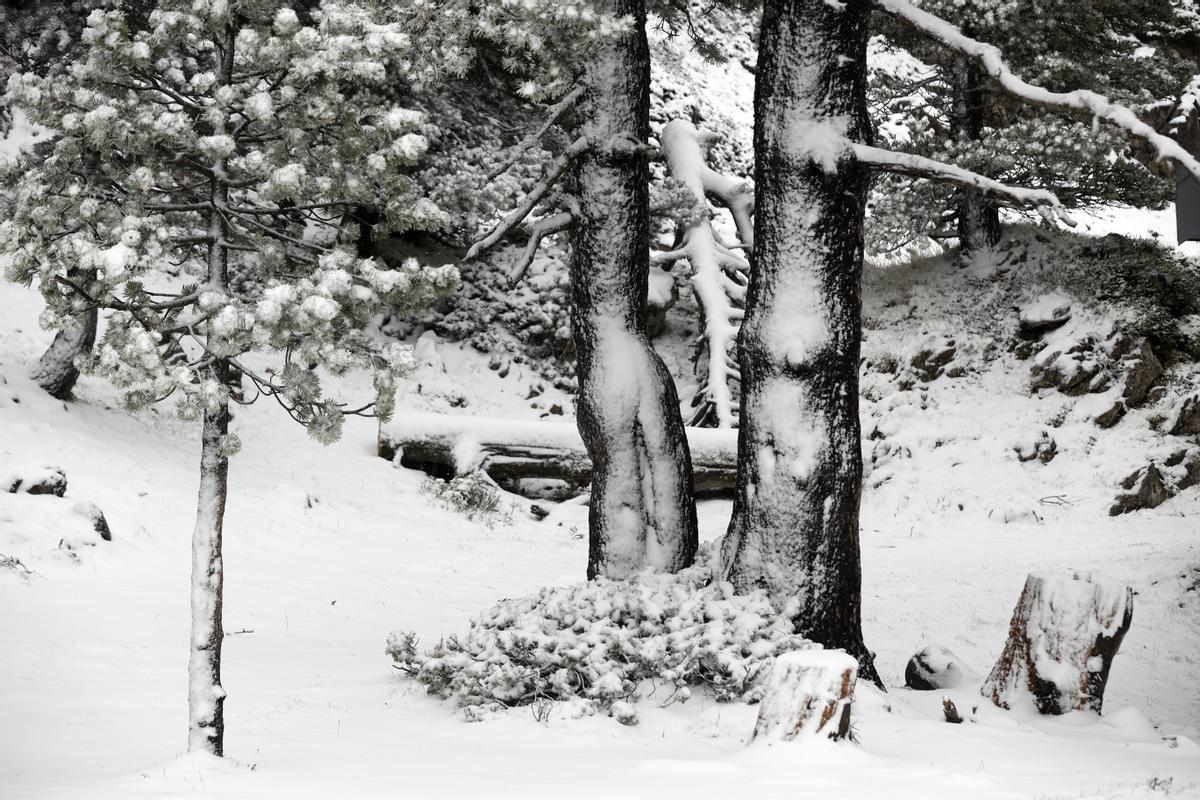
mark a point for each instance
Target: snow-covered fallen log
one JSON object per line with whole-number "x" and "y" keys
{"x": 511, "y": 450}
{"x": 1063, "y": 637}
{"x": 808, "y": 693}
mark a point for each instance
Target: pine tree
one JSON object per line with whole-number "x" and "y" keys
{"x": 236, "y": 141}
{"x": 944, "y": 106}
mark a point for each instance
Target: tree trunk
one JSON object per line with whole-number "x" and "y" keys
{"x": 206, "y": 697}
{"x": 978, "y": 216}
{"x": 642, "y": 512}
{"x": 55, "y": 371}
{"x": 794, "y": 530}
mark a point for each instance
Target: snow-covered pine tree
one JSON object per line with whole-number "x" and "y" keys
{"x": 642, "y": 511}
{"x": 236, "y": 141}
{"x": 940, "y": 104}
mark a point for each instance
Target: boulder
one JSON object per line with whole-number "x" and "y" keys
{"x": 933, "y": 667}
{"x": 1043, "y": 448}
{"x": 37, "y": 480}
{"x": 1111, "y": 415}
{"x": 1047, "y": 312}
{"x": 95, "y": 516}
{"x": 1145, "y": 488}
{"x": 1143, "y": 370}
{"x": 1072, "y": 367}
{"x": 1186, "y": 419}
{"x": 931, "y": 356}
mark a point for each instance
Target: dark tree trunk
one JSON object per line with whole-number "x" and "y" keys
{"x": 55, "y": 371}
{"x": 642, "y": 512}
{"x": 206, "y": 697}
{"x": 794, "y": 530}
{"x": 978, "y": 216}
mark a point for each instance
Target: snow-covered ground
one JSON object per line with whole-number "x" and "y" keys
{"x": 329, "y": 549}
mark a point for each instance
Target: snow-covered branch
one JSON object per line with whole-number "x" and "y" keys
{"x": 530, "y": 201}
{"x": 718, "y": 272}
{"x": 916, "y": 166}
{"x": 1080, "y": 100}
{"x": 555, "y": 113}
{"x": 547, "y": 226}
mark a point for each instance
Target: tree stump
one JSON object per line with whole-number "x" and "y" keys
{"x": 808, "y": 692}
{"x": 1063, "y": 637}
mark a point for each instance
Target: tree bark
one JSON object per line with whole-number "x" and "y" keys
{"x": 206, "y": 697}
{"x": 55, "y": 371}
{"x": 978, "y": 216}
{"x": 643, "y": 512}
{"x": 794, "y": 530}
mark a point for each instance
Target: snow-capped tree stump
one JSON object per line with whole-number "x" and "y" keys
{"x": 808, "y": 693}
{"x": 1063, "y": 637}
{"x": 511, "y": 450}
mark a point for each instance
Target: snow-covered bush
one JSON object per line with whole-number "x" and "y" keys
{"x": 605, "y": 644}
{"x": 473, "y": 495}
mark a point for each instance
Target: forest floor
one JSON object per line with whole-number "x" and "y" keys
{"x": 329, "y": 549}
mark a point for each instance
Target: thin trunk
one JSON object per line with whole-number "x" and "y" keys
{"x": 978, "y": 216}
{"x": 56, "y": 371}
{"x": 643, "y": 513}
{"x": 206, "y": 697}
{"x": 794, "y": 530}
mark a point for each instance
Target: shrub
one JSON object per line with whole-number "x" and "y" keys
{"x": 600, "y": 645}
{"x": 473, "y": 495}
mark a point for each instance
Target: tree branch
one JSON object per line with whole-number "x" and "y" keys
{"x": 556, "y": 111}
{"x": 523, "y": 209}
{"x": 547, "y": 226}
{"x": 1080, "y": 100}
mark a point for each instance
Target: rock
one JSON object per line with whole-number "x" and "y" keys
{"x": 933, "y": 667}
{"x": 428, "y": 351}
{"x": 1072, "y": 367}
{"x": 931, "y": 356}
{"x": 661, "y": 295}
{"x": 1147, "y": 489}
{"x": 38, "y": 480}
{"x": 1063, "y": 637}
{"x": 1111, "y": 416}
{"x": 1186, "y": 419}
{"x": 1047, "y": 312}
{"x": 1144, "y": 370}
{"x": 1043, "y": 448}
{"x": 96, "y": 516}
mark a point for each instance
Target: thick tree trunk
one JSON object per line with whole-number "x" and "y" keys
{"x": 794, "y": 530}
{"x": 55, "y": 371}
{"x": 642, "y": 512}
{"x": 206, "y": 697}
{"x": 978, "y": 216}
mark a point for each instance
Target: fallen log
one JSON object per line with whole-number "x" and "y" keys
{"x": 1063, "y": 637}
{"x": 520, "y": 455}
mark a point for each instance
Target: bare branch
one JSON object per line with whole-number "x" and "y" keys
{"x": 556, "y": 111}
{"x": 523, "y": 209}
{"x": 547, "y": 226}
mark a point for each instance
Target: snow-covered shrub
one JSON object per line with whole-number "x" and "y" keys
{"x": 605, "y": 644}
{"x": 473, "y": 495}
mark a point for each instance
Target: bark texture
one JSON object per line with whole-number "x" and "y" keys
{"x": 1064, "y": 635}
{"x": 55, "y": 371}
{"x": 642, "y": 512}
{"x": 206, "y": 697}
{"x": 794, "y": 530}
{"x": 978, "y": 216}
{"x": 808, "y": 693}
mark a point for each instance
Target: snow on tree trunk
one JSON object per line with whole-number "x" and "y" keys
{"x": 1063, "y": 637}
{"x": 642, "y": 512}
{"x": 719, "y": 273}
{"x": 978, "y": 216}
{"x": 206, "y": 698}
{"x": 808, "y": 693}
{"x": 794, "y": 530}
{"x": 55, "y": 370}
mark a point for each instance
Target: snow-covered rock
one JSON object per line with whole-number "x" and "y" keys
{"x": 933, "y": 667}
{"x": 1047, "y": 312}
{"x": 36, "y": 480}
